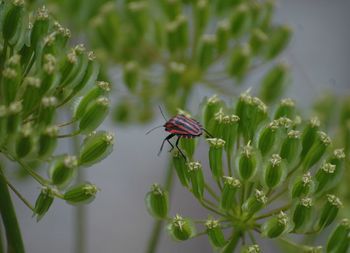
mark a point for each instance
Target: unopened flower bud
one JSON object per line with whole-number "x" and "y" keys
{"x": 329, "y": 211}
{"x": 275, "y": 172}
{"x": 240, "y": 62}
{"x": 278, "y": 41}
{"x": 131, "y": 75}
{"x": 95, "y": 148}
{"x": 286, "y": 108}
{"x": 94, "y": 115}
{"x": 255, "y": 248}
{"x": 309, "y": 135}
{"x": 181, "y": 168}
{"x": 240, "y": 20}
{"x": 267, "y": 138}
{"x": 274, "y": 82}
{"x": 275, "y": 226}
{"x": 215, "y": 234}
{"x": 302, "y": 186}
{"x": 254, "y": 203}
{"x": 13, "y": 117}
{"x": 47, "y": 141}
{"x": 197, "y": 179}
{"x": 157, "y": 202}
{"x": 206, "y": 52}
{"x": 40, "y": 28}
{"x": 174, "y": 76}
{"x": 47, "y": 110}
{"x": 228, "y": 196}
{"x": 181, "y": 228}
{"x": 257, "y": 42}
{"x": 211, "y": 107}
{"x": 291, "y": 147}
{"x": 215, "y": 157}
{"x": 62, "y": 170}
{"x": 43, "y": 202}
{"x": 302, "y": 214}
{"x": 222, "y": 36}
{"x": 81, "y": 194}
{"x": 247, "y": 163}
{"x": 24, "y": 141}
{"x": 338, "y": 241}
{"x": 12, "y": 22}
{"x": 201, "y": 15}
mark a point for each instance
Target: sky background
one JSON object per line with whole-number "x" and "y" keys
{"x": 117, "y": 219}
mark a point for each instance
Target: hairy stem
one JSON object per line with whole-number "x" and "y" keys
{"x": 13, "y": 234}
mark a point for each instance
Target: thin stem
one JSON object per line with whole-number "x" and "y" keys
{"x": 211, "y": 192}
{"x": 20, "y": 196}
{"x": 31, "y": 172}
{"x": 273, "y": 198}
{"x": 229, "y": 166}
{"x": 13, "y": 233}
{"x": 277, "y": 210}
{"x": 230, "y": 247}
{"x": 157, "y": 226}
{"x": 251, "y": 236}
{"x": 68, "y": 135}
{"x": 302, "y": 247}
{"x": 205, "y": 205}
{"x": 67, "y": 123}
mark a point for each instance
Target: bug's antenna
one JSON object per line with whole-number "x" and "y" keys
{"x": 154, "y": 128}
{"x": 206, "y": 131}
{"x": 161, "y": 111}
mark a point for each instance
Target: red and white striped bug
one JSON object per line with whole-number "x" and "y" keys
{"x": 182, "y": 127}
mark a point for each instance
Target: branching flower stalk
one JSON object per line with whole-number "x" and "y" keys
{"x": 279, "y": 179}
{"x": 40, "y": 76}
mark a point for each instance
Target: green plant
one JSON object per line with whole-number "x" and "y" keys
{"x": 279, "y": 179}
{"x": 40, "y": 77}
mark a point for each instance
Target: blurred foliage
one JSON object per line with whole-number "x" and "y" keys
{"x": 280, "y": 178}
{"x": 40, "y": 78}
{"x": 163, "y": 49}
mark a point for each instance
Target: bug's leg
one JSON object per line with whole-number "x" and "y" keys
{"x": 177, "y": 146}
{"x": 166, "y": 139}
{"x": 172, "y": 146}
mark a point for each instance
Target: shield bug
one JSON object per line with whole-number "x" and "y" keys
{"x": 181, "y": 126}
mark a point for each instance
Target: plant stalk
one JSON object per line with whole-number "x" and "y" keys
{"x": 8, "y": 215}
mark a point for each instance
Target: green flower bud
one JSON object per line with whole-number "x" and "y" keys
{"x": 302, "y": 186}
{"x": 40, "y": 28}
{"x": 215, "y": 157}
{"x": 157, "y": 202}
{"x": 275, "y": 226}
{"x": 100, "y": 89}
{"x": 317, "y": 150}
{"x": 47, "y": 141}
{"x": 211, "y": 107}
{"x": 275, "y": 172}
{"x": 176, "y": 34}
{"x": 302, "y": 214}
{"x": 94, "y": 115}
{"x": 228, "y": 196}
{"x": 324, "y": 176}
{"x": 197, "y": 179}
{"x": 13, "y": 21}
{"x": 240, "y": 20}
{"x": 286, "y": 108}
{"x": 279, "y": 38}
{"x": 131, "y": 75}
{"x": 257, "y": 42}
{"x": 206, "y": 52}
{"x": 274, "y": 82}
{"x": 24, "y": 141}
{"x": 180, "y": 228}
{"x": 240, "y": 62}
{"x": 10, "y": 84}
{"x": 172, "y": 8}
{"x": 13, "y": 117}
{"x": 138, "y": 13}
{"x": 95, "y": 148}
{"x": 254, "y": 203}
{"x": 49, "y": 77}
{"x": 338, "y": 159}
{"x": 252, "y": 112}
{"x": 43, "y": 202}
{"x": 309, "y": 135}
{"x": 291, "y": 147}
{"x": 80, "y": 194}
{"x": 226, "y": 128}
{"x": 329, "y": 211}
{"x": 63, "y": 170}
{"x": 215, "y": 234}
{"x": 267, "y": 11}
{"x": 47, "y": 110}
{"x": 201, "y": 15}
{"x": 222, "y": 36}
{"x": 31, "y": 96}
{"x": 174, "y": 76}
{"x": 338, "y": 241}
{"x": 182, "y": 31}
{"x": 255, "y": 248}
{"x": 247, "y": 163}
{"x": 267, "y": 138}
{"x": 181, "y": 168}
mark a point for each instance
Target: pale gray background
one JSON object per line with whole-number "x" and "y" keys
{"x": 117, "y": 219}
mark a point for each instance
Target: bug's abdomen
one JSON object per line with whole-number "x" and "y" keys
{"x": 183, "y": 126}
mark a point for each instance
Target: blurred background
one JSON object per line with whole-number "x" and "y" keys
{"x": 117, "y": 221}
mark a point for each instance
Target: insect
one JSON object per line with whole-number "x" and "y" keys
{"x": 182, "y": 127}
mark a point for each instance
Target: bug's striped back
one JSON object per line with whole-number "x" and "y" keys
{"x": 184, "y": 126}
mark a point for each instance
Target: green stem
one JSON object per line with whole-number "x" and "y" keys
{"x": 275, "y": 211}
{"x": 230, "y": 247}
{"x": 13, "y": 234}
{"x": 1, "y": 243}
{"x": 211, "y": 192}
{"x": 157, "y": 226}
{"x": 20, "y": 196}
